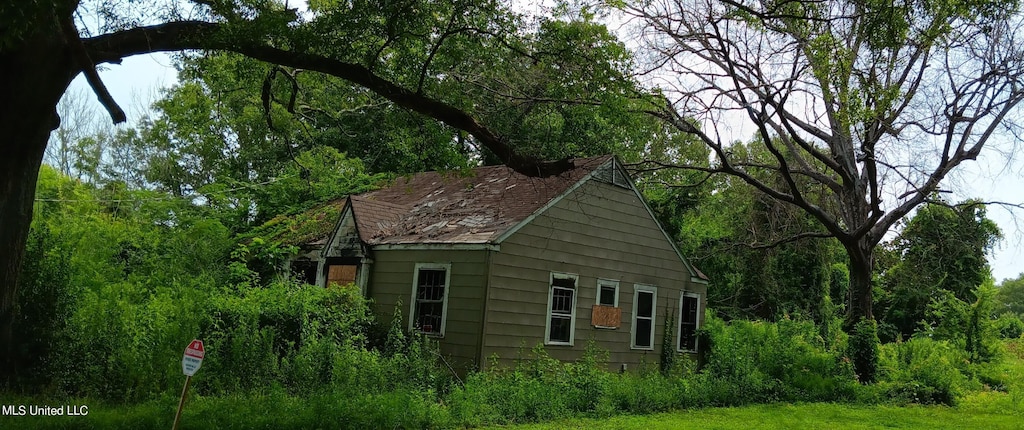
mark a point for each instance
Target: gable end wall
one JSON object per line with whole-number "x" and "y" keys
{"x": 599, "y": 230}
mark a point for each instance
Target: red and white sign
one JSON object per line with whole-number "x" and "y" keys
{"x": 193, "y": 357}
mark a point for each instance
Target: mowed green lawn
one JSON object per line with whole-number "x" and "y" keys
{"x": 804, "y": 416}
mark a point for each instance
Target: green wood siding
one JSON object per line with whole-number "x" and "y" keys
{"x": 597, "y": 231}
{"x": 392, "y": 282}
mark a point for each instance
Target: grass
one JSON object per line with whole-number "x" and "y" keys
{"x": 802, "y": 416}
{"x": 273, "y": 411}
{"x": 985, "y": 409}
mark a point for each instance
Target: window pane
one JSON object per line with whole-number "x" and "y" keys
{"x": 687, "y": 337}
{"x": 561, "y": 300}
{"x": 563, "y": 282}
{"x": 429, "y": 312}
{"x": 645, "y": 304}
{"x": 643, "y": 333}
{"x": 431, "y": 284}
{"x": 689, "y": 309}
{"x": 688, "y": 324}
{"x": 428, "y": 316}
{"x": 607, "y": 295}
{"x": 560, "y": 328}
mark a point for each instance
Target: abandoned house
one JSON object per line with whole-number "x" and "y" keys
{"x": 491, "y": 262}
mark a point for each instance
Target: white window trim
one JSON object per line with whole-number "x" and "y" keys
{"x": 572, "y": 316}
{"x": 637, "y": 289}
{"x": 444, "y": 302}
{"x": 607, "y": 282}
{"x": 679, "y": 320}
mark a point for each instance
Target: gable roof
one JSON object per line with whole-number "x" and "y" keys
{"x": 480, "y": 207}
{"x": 474, "y": 207}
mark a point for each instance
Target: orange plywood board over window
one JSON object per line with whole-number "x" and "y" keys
{"x": 606, "y": 316}
{"x": 341, "y": 274}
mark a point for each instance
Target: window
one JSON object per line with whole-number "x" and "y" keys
{"x": 341, "y": 274}
{"x": 689, "y": 315}
{"x": 607, "y": 292}
{"x": 429, "y": 298}
{"x": 644, "y": 303}
{"x": 619, "y": 178}
{"x": 304, "y": 270}
{"x": 561, "y": 309}
{"x": 606, "y": 313}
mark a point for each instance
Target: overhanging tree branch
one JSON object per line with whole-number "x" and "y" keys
{"x": 186, "y": 35}
{"x": 88, "y": 68}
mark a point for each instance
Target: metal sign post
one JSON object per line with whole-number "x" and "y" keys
{"x": 190, "y": 363}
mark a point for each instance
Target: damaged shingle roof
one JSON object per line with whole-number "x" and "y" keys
{"x": 456, "y": 207}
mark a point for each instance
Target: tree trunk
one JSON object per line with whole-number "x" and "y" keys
{"x": 861, "y": 324}
{"x": 32, "y": 81}
{"x": 862, "y": 265}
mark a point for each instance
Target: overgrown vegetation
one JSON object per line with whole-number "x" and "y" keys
{"x": 118, "y": 283}
{"x": 398, "y": 384}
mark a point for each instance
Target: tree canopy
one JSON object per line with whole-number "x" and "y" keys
{"x": 872, "y": 103}
{"x": 941, "y": 249}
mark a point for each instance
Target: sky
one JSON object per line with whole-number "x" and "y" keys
{"x": 135, "y": 84}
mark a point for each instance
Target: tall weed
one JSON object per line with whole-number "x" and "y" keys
{"x": 922, "y": 370}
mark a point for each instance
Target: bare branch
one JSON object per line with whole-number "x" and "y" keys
{"x": 793, "y": 238}
{"x": 87, "y": 67}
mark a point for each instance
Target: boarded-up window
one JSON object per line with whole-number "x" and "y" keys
{"x": 338, "y": 274}
{"x": 644, "y": 302}
{"x": 606, "y": 316}
{"x": 561, "y": 308}
{"x": 689, "y": 313}
{"x": 430, "y": 299}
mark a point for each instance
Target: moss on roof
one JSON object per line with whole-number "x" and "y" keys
{"x": 301, "y": 228}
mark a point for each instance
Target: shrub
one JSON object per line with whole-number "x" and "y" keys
{"x": 124, "y": 341}
{"x": 643, "y": 393}
{"x": 922, "y": 370}
{"x": 863, "y": 349}
{"x": 760, "y": 361}
{"x": 969, "y": 326}
{"x": 45, "y": 303}
{"x": 537, "y": 388}
{"x": 1009, "y": 326}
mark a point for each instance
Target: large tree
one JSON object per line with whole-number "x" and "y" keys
{"x": 874, "y": 102}
{"x": 395, "y": 50}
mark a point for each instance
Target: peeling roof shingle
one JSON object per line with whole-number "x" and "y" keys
{"x": 455, "y": 207}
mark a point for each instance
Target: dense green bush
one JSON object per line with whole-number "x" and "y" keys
{"x": 44, "y": 304}
{"x": 537, "y": 388}
{"x": 125, "y": 343}
{"x": 1009, "y": 326}
{"x": 922, "y": 370}
{"x": 968, "y": 326}
{"x": 863, "y": 349}
{"x": 785, "y": 360}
